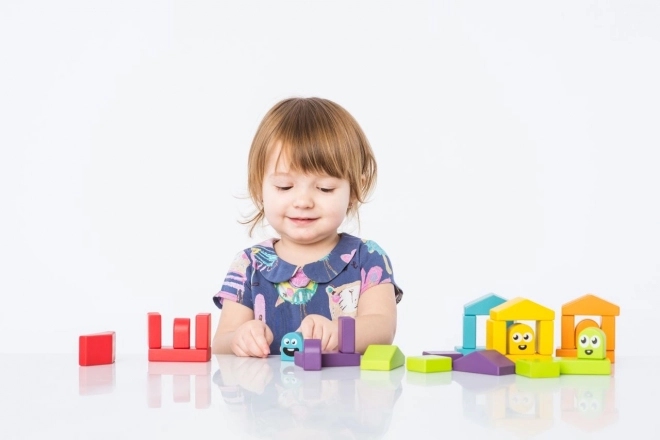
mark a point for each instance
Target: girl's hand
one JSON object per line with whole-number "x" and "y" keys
{"x": 252, "y": 338}
{"x": 320, "y": 327}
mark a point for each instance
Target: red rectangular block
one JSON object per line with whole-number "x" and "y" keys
{"x": 96, "y": 349}
{"x": 181, "y": 338}
{"x": 169, "y": 354}
{"x": 154, "y": 329}
{"x": 203, "y": 330}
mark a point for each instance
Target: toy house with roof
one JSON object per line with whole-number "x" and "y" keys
{"x": 587, "y": 305}
{"x": 479, "y": 307}
{"x": 519, "y": 340}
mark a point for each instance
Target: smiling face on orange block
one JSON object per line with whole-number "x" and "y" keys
{"x": 520, "y": 339}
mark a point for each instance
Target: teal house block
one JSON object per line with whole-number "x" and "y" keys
{"x": 469, "y": 331}
{"x": 481, "y": 306}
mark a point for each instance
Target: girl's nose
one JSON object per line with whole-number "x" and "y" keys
{"x": 303, "y": 199}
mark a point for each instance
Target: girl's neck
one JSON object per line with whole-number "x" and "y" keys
{"x": 300, "y": 254}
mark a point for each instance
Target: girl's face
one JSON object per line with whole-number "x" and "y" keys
{"x": 305, "y": 209}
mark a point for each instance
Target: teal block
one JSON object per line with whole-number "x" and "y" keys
{"x": 469, "y": 331}
{"x": 464, "y": 350}
{"x": 481, "y": 306}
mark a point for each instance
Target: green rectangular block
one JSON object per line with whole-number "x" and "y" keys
{"x": 428, "y": 363}
{"x": 382, "y": 357}
{"x": 538, "y": 368}
{"x": 585, "y": 366}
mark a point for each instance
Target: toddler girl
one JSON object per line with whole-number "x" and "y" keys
{"x": 310, "y": 166}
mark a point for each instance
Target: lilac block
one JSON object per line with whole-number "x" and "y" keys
{"x": 346, "y": 326}
{"x": 452, "y": 354}
{"x": 312, "y": 355}
{"x": 490, "y": 362}
{"x": 298, "y": 359}
{"x": 340, "y": 359}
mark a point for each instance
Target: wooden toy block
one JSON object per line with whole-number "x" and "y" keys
{"x": 537, "y": 368}
{"x": 567, "y": 332}
{"x": 516, "y": 357}
{"x": 312, "y": 355}
{"x": 489, "y": 362}
{"x": 590, "y": 305}
{"x": 481, "y": 306}
{"x": 585, "y": 323}
{"x": 545, "y": 332}
{"x": 203, "y": 330}
{"x": 298, "y": 359}
{"x": 291, "y": 343}
{"x": 428, "y": 364}
{"x": 382, "y": 358}
{"x": 520, "y": 339}
{"x": 181, "y": 338}
{"x": 464, "y": 351}
{"x": 340, "y": 359}
{"x": 591, "y": 344}
{"x": 469, "y": 331}
{"x": 521, "y": 309}
{"x": 608, "y": 325}
{"x": 572, "y": 353}
{"x": 585, "y": 366}
{"x": 169, "y": 354}
{"x": 496, "y": 335}
{"x": 346, "y": 330}
{"x": 158, "y": 353}
{"x": 452, "y": 354}
{"x": 154, "y": 329}
{"x": 96, "y": 349}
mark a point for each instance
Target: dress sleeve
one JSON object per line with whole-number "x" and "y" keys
{"x": 376, "y": 268}
{"x": 236, "y": 286}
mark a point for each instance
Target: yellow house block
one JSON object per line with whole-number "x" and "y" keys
{"x": 545, "y": 332}
{"x": 496, "y": 335}
{"x": 521, "y": 309}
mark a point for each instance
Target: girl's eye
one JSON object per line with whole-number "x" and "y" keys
{"x": 283, "y": 188}
{"x": 327, "y": 190}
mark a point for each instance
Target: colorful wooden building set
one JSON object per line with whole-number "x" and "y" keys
{"x": 512, "y": 345}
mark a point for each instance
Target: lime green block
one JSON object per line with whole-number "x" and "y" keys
{"x": 382, "y": 357}
{"x": 585, "y": 366}
{"x": 428, "y": 363}
{"x": 537, "y": 368}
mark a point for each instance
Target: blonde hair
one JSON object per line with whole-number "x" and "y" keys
{"x": 316, "y": 136}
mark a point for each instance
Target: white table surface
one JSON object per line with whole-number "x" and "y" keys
{"x": 51, "y": 397}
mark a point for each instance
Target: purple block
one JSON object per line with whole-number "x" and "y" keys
{"x": 312, "y": 355}
{"x": 346, "y": 326}
{"x": 298, "y": 359}
{"x": 340, "y": 359}
{"x": 452, "y": 354}
{"x": 490, "y": 362}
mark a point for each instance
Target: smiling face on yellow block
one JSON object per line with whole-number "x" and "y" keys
{"x": 520, "y": 339}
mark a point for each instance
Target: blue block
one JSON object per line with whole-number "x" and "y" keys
{"x": 290, "y": 344}
{"x": 469, "y": 331}
{"x": 481, "y": 306}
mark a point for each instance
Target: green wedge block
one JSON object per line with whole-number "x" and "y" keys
{"x": 585, "y": 366}
{"x": 537, "y": 368}
{"x": 382, "y": 358}
{"x": 428, "y": 363}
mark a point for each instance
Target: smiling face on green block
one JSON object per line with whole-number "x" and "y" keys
{"x": 591, "y": 344}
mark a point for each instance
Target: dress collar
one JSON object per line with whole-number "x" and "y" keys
{"x": 276, "y": 270}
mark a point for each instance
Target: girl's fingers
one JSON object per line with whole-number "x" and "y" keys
{"x": 261, "y": 347}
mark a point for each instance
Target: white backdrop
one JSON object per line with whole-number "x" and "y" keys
{"x": 517, "y": 144}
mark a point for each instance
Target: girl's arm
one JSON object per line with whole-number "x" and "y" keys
{"x": 237, "y": 322}
{"x": 376, "y": 317}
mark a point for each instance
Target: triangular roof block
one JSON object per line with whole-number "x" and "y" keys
{"x": 521, "y": 309}
{"x": 490, "y": 362}
{"x": 481, "y": 306}
{"x": 382, "y": 357}
{"x": 590, "y": 305}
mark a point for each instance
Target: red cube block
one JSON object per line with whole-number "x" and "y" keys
{"x": 96, "y": 349}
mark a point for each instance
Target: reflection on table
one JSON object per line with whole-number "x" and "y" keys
{"x": 272, "y": 398}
